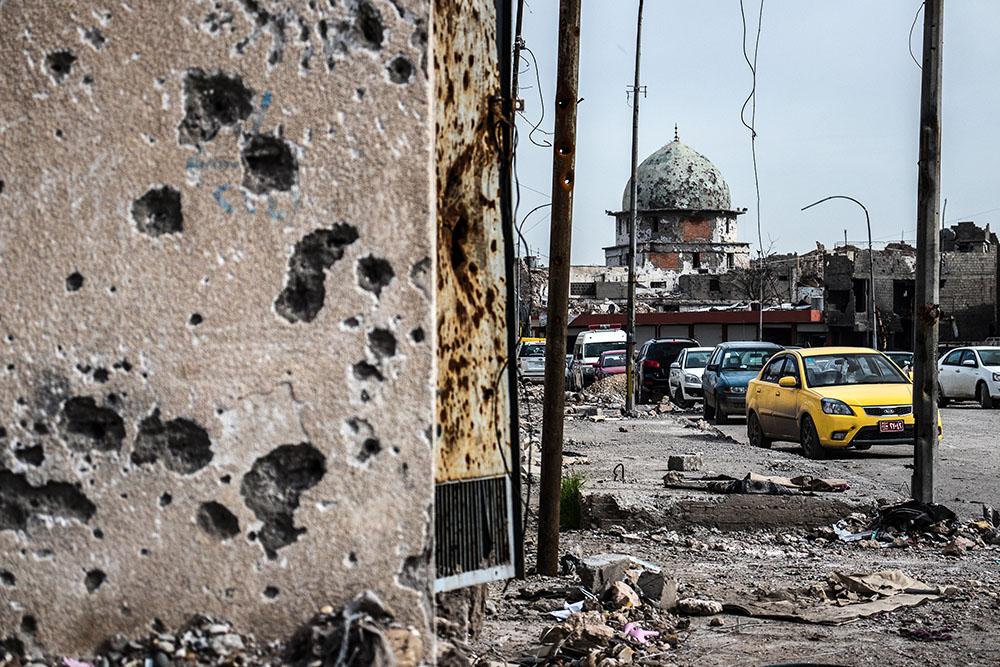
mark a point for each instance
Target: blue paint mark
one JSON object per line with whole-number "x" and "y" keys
{"x": 219, "y": 191}
{"x": 266, "y": 101}
{"x": 272, "y": 209}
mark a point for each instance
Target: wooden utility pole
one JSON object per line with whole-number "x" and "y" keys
{"x": 560, "y": 237}
{"x": 630, "y": 390}
{"x": 925, "y": 374}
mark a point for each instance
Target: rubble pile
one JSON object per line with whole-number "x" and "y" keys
{"x": 609, "y": 390}
{"x": 913, "y": 524}
{"x": 361, "y": 633}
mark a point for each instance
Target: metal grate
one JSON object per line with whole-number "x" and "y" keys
{"x": 888, "y": 410}
{"x": 473, "y": 532}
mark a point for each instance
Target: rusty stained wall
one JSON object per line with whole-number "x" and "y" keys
{"x": 472, "y": 403}
{"x": 216, "y": 315}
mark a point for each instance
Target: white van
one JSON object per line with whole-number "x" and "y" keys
{"x": 587, "y": 353}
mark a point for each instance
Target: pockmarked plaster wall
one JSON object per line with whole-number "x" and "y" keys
{"x": 216, "y": 313}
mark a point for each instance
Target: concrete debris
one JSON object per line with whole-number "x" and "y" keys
{"x": 690, "y": 462}
{"x": 620, "y": 595}
{"x": 657, "y": 589}
{"x": 598, "y": 572}
{"x": 698, "y": 607}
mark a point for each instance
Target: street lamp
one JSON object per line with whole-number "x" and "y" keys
{"x": 871, "y": 264}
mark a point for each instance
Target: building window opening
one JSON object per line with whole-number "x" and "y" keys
{"x": 696, "y": 260}
{"x": 839, "y": 298}
{"x": 656, "y": 225}
{"x": 860, "y": 295}
{"x": 714, "y": 285}
{"x": 730, "y": 257}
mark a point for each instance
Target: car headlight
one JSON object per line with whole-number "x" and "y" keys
{"x": 996, "y": 377}
{"x": 832, "y": 406}
{"x": 694, "y": 378}
{"x": 736, "y": 390}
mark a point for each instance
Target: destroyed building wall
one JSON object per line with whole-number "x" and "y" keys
{"x": 217, "y": 314}
{"x": 969, "y": 293}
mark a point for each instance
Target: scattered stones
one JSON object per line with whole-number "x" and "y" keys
{"x": 620, "y": 595}
{"x": 598, "y": 572}
{"x": 657, "y": 589}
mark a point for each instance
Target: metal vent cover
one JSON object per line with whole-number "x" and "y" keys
{"x": 473, "y": 532}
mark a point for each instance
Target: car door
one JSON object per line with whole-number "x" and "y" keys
{"x": 967, "y": 375}
{"x": 764, "y": 393}
{"x": 711, "y": 377}
{"x": 785, "y": 408}
{"x": 677, "y": 370}
{"x": 948, "y": 373}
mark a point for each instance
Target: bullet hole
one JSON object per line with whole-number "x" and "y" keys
{"x": 226, "y": 479}
{"x": 60, "y": 64}
{"x": 365, "y": 371}
{"x": 29, "y": 624}
{"x": 158, "y": 212}
{"x": 272, "y": 488}
{"x": 59, "y": 134}
{"x": 87, "y": 426}
{"x": 8, "y": 579}
{"x": 124, "y": 365}
{"x": 74, "y": 282}
{"x": 304, "y": 293}
{"x": 144, "y": 552}
{"x": 216, "y": 520}
{"x": 166, "y": 499}
{"x": 382, "y": 343}
{"x": 268, "y": 164}
{"x": 112, "y": 289}
{"x": 211, "y": 102}
{"x": 84, "y": 369}
{"x": 98, "y": 533}
{"x": 40, "y": 428}
{"x": 94, "y": 579}
{"x": 365, "y": 396}
{"x": 368, "y": 22}
{"x": 1, "y": 186}
{"x": 87, "y": 79}
{"x": 352, "y": 558}
{"x": 400, "y": 70}
{"x": 195, "y": 319}
{"x": 94, "y": 37}
{"x": 271, "y": 592}
{"x": 417, "y": 335}
{"x": 352, "y": 323}
{"x": 30, "y": 455}
{"x": 3, "y": 432}
{"x": 374, "y": 273}
{"x": 182, "y": 444}
{"x": 19, "y": 501}
{"x": 101, "y": 375}
{"x": 112, "y": 398}
{"x": 369, "y": 448}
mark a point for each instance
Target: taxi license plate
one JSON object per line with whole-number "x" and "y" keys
{"x": 891, "y": 426}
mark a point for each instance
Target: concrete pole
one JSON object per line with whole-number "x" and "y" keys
{"x": 630, "y": 390}
{"x": 928, "y": 257}
{"x": 560, "y": 237}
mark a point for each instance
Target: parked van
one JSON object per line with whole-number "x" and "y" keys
{"x": 587, "y": 353}
{"x": 531, "y": 358}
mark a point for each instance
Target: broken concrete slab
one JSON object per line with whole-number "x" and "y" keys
{"x": 690, "y": 462}
{"x": 598, "y": 573}
{"x": 659, "y": 590}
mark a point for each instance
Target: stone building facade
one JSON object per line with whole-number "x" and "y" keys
{"x": 685, "y": 220}
{"x": 216, "y": 320}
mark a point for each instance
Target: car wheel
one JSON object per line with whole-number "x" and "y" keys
{"x": 983, "y": 396}
{"x": 942, "y": 400}
{"x": 707, "y": 411}
{"x": 679, "y": 398}
{"x": 810, "y": 440}
{"x": 720, "y": 415}
{"x": 755, "y": 433}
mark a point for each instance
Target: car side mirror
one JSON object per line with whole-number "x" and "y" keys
{"x": 970, "y": 363}
{"x": 788, "y": 382}
{"x": 675, "y": 365}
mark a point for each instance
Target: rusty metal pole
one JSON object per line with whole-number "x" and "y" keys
{"x": 925, "y": 382}
{"x": 630, "y": 389}
{"x": 560, "y": 237}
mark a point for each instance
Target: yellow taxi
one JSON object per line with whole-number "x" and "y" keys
{"x": 830, "y": 398}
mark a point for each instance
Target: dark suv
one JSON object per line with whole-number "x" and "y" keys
{"x": 652, "y": 366}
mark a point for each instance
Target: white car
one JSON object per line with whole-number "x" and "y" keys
{"x": 685, "y": 374}
{"x": 968, "y": 373}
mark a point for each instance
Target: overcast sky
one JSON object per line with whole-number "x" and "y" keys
{"x": 837, "y": 112}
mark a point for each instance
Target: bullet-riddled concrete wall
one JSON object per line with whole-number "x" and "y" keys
{"x": 216, "y": 390}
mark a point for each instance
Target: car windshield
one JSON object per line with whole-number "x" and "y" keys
{"x": 595, "y": 349}
{"x": 696, "y": 359}
{"x": 990, "y": 357}
{"x": 533, "y": 350}
{"x": 666, "y": 353}
{"x": 830, "y": 370}
{"x": 616, "y": 359}
{"x": 745, "y": 359}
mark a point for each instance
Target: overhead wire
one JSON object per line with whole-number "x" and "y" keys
{"x": 909, "y": 41}
{"x": 541, "y": 104}
{"x": 752, "y": 126}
